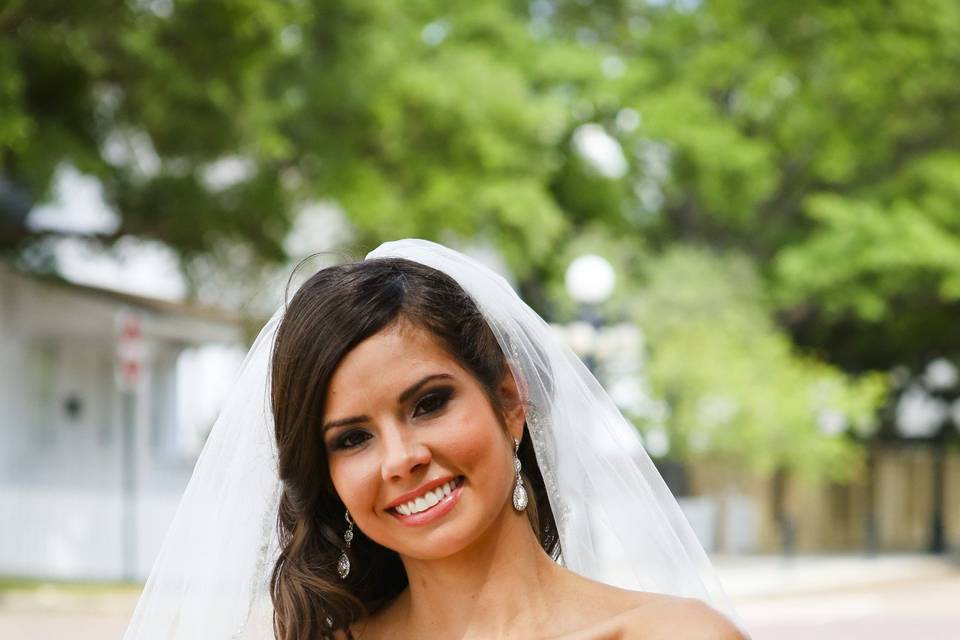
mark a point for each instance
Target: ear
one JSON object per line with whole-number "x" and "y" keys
{"x": 514, "y": 406}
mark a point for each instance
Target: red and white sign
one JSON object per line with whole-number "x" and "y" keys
{"x": 130, "y": 350}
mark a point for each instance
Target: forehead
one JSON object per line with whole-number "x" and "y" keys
{"x": 387, "y": 362}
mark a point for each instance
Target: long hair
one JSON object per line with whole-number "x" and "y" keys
{"x": 334, "y": 311}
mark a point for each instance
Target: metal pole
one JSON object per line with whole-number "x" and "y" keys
{"x": 781, "y": 513}
{"x": 871, "y": 536}
{"x": 939, "y": 450}
{"x": 128, "y": 510}
{"x": 590, "y": 314}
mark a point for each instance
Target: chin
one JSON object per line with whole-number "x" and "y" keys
{"x": 442, "y": 541}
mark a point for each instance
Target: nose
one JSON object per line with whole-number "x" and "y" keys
{"x": 403, "y": 452}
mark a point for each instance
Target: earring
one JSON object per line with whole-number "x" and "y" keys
{"x": 343, "y": 564}
{"x": 519, "y": 492}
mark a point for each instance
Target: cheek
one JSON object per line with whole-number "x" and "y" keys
{"x": 353, "y": 480}
{"x": 477, "y": 442}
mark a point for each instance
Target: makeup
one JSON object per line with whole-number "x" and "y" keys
{"x": 431, "y": 513}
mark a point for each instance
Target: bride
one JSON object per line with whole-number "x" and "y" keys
{"x": 410, "y": 452}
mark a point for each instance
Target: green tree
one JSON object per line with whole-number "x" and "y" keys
{"x": 821, "y": 143}
{"x": 737, "y": 389}
{"x": 145, "y": 96}
{"x": 820, "y": 140}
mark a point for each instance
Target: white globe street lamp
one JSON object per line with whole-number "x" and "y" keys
{"x": 590, "y": 279}
{"x": 940, "y": 374}
{"x": 920, "y": 415}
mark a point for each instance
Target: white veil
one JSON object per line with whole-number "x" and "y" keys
{"x": 617, "y": 521}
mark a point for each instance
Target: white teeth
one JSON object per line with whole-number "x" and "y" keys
{"x": 427, "y": 500}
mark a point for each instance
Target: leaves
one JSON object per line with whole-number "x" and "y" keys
{"x": 815, "y": 147}
{"x": 736, "y": 388}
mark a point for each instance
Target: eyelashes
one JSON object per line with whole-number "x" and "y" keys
{"x": 349, "y": 440}
{"x": 432, "y": 402}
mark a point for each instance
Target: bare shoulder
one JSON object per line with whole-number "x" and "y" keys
{"x": 659, "y": 617}
{"x": 605, "y": 611}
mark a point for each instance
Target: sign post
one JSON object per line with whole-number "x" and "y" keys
{"x": 129, "y": 371}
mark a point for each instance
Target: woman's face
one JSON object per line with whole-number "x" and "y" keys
{"x": 403, "y": 417}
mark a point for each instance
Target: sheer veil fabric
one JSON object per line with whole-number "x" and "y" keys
{"x": 618, "y": 522}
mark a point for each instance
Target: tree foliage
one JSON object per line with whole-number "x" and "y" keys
{"x": 736, "y": 387}
{"x": 819, "y": 142}
{"x": 145, "y": 98}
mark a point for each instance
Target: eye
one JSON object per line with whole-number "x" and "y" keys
{"x": 351, "y": 439}
{"x": 432, "y": 402}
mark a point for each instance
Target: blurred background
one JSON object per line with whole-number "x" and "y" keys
{"x": 744, "y": 216}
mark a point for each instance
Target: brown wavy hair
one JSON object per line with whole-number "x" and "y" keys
{"x": 334, "y": 311}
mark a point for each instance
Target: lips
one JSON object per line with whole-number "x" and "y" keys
{"x": 432, "y": 512}
{"x": 427, "y": 499}
{"x": 419, "y": 492}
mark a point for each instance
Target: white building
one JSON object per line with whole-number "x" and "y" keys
{"x": 72, "y": 505}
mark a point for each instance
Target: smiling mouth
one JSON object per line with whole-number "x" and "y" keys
{"x": 432, "y": 502}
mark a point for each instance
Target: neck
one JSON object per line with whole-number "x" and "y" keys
{"x": 496, "y": 587}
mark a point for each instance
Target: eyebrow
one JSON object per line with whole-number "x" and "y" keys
{"x": 403, "y": 397}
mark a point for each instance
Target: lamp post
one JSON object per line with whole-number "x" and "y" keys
{"x": 589, "y": 282}
{"x": 923, "y": 413}
{"x": 15, "y": 205}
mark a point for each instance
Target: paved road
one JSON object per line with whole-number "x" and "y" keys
{"x": 914, "y": 601}
{"x": 60, "y": 627}
{"x": 923, "y": 609}
{"x": 56, "y": 613}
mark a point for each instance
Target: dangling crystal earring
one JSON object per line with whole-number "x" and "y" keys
{"x": 343, "y": 564}
{"x": 519, "y": 492}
